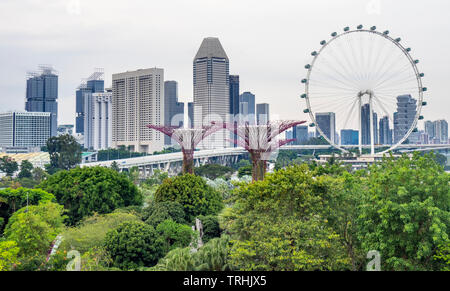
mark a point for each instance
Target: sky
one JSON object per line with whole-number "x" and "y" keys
{"x": 268, "y": 43}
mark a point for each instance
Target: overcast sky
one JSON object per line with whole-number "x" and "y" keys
{"x": 268, "y": 42}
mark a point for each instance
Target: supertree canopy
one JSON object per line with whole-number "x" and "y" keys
{"x": 261, "y": 141}
{"x": 188, "y": 139}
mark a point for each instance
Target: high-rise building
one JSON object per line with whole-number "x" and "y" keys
{"x": 262, "y": 113}
{"x": 25, "y": 129}
{"x": 98, "y": 121}
{"x": 234, "y": 95}
{"x": 441, "y": 131}
{"x": 247, "y": 101}
{"x": 327, "y": 123}
{"x": 65, "y": 129}
{"x": 300, "y": 134}
{"x": 42, "y": 94}
{"x": 385, "y": 136}
{"x": 404, "y": 118}
{"x": 173, "y": 110}
{"x": 94, "y": 84}
{"x": 190, "y": 114}
{"x": 211, "y": 89}
{"x": 429, "y": 130}
{"x": 138, "y": 100}
{"x": 349, "y": 137}
{"x": 365, "y": 122}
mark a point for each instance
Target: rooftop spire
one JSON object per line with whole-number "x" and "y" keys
{"x": 211, "y": 47}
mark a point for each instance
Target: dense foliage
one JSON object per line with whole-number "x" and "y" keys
{"x": 193, "y": 193}
{"x": 213, "y": 171}
{"x": 84, "y": 191}
{"x": 8, "y": 166}
{"x": 133, "y": 245}
{"x": 65, "y": 153}
{"x": 158, "y": 212}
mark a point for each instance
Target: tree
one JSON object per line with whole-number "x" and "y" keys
{"x": 39, "y": 174}
{"x": 211, "y": 228}
{"x": 35, "y": 227}
{"x": 12, "y": 200}
{"x": 84, "y": 191}
{"x": 157, "y": 178}
{"x": 25, "y": 170}
{"x": 8, "y": 166}
{"x": 245, "y": 171}
{"x": 65, "y": 153}
{"x": 406, "y": 212}
{"x": 213, "y": 171}
{"x": 115, "y": 166}
{"x": 174, "y": 235}
{"x": 133, "y": 245}
{"x": 157, "y": 212}
{"x": 279, "y": 224}
{"x": 8, "y": 255}
{"x": 192, "y": 193}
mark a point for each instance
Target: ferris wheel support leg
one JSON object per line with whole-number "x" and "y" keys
{"x": 372, "y": 133}
{"x": 360, "y": 126}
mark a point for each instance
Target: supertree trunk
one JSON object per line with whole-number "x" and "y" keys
{"x": 188, "y": 162}
{"x": 259, "y": 166}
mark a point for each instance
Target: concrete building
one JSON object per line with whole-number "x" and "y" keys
{"x": 300, "y": 133}
{"x": 349, "y": 137}
{"x": 66, "y": 129}
{"x": 385, "y": 131}
{"x": 262, "y": 113}
{"x": 42, "y": 94}
{"x": 441, "y": 131}
{"x": 365, "y": 122}
{"x": 138, "y": 100}
{"x": 327, "y": 123}
{"x": 248, "y": 105}
{"x": 404, "y": 118}
{"x": 98, "y": 121}
{"x": 211, "y": 90}
{"x": 25, "y": 129}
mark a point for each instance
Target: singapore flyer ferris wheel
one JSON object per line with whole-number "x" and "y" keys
{"x": 364, "y": 89}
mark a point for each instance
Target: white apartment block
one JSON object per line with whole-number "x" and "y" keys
{"x": 98, "y": 121}
{"x": 137, "y": 101}
{"x": 24, "y": 129}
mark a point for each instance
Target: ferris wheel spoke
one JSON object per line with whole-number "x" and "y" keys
{"x": 390, "y": 68}
{"x": 350, "y": 113}
{"x": 348, "y": 59}
{"x": 343, "y": 66}
{"x": 393, "y": 81}
{"x": 345, "y": 81}
{"x": 383, "y": 108}
{"x": 324, "y": 84}
{"x": 358, "y": 70}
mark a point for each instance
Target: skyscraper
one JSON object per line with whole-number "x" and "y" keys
{"x": 262, "y": 113}
{"x": 429, "y": 130}
{"x": 234, "y": 95}
{"x": 211, "y": 89}
{"x": 42, "y": 94}
{"x": 441, "y": 131}
{"x": 98, "y": 121}
{"x": 190, "y": 115}
{"x": 404, "y": 118}
{"x": 327, "y": 123}
{"x": 94, "y": 84}
{"x": 247, "y": 101}
{"x": 173, "y": 110}
{"x": 365, "y": 122}
{"x": 138, "y": 100}
{"x": 349, "y": 137}
{"x": 385, "y": 136}
{"x": 300, "y": 134}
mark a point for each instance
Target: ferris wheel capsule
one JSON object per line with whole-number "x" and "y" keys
{"x": 421, "y": 117}
{"x": 334, "y": 34}
{"x": 304, "y": 81}
{"x": 373, "y": 28}
{"x": 398, "y": 39}
{"x": 408, "y": 50}
{"x": 323, "y": 42}
{"x": 416, "y": 61}
{"x": 303, "y": 96}
{"x": 424, "y": 103}
{"x": 415, "y": 130}
{"x": 306, "y": 111}
{"x": 360, "y": 26}
{"x": 424, "y": 89}
{"x": 421, "y": 75}
{"x": 314, "y": 53}
{"x": 346, "y": 29}
{"x": 308, "y": 66}
{"x": 312, "y": 125}
{"x": 386, "y": 32}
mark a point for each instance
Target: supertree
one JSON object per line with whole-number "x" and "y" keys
{"x": 188, "y": 139}
{"x": 261, "y": 141}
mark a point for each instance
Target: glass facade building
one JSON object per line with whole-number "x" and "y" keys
{"x": 173, "y": 110}
{"x": 327, "y": 123}
{"x": 349, "y": 137}
{"x": 91, "y": 86}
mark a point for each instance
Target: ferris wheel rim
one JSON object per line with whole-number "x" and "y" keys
{"x": 412, "y": 62}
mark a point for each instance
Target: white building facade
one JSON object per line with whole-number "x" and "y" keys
{"x": 25, "y": 129}
{"x": 98, "y": 121}
{"x": 137, "y": 101}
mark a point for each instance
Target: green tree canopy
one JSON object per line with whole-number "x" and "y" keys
{"x": 84, "y": 191}
{"x": 8, "y": 255}
{"x": 133, "y": 245}
{"x": 65, "y": 153}
{"x": 174, "y": 235}
{"x": 192, "y": 193}
{"x": 8, "y": 166}
{"x": 26, "y": 169}
{"x": 157, "y": 212}
{"x": 213, "y": 171}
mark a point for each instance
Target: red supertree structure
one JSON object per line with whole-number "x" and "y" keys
{"x": 261, "y": 141}
{"x": 188, "y": 139}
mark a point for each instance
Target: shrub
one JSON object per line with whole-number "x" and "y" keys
{"x": 211, "y": 228}
{"x": 192, "y": 193}
{"x": 133, "y": 245}
{"x": 174, "y": 235}
{"x": 156, "y": 213}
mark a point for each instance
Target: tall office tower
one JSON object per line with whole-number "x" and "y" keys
{"x": 211, "y": 89}
{"x": 93, "y": 84}
{"x": 42, "y": 94}
{"x": 300, "y": 134}
{"x": 365, "y": 122}
{"x": 190, "y": 123}
{"x": 441, "y": 131}
{"x": 327, "y": 123}
{"x": 247, "y": 101}
{"x": 138, "y": 100}
{"x": 25, "y": 129}
{"x": 429, "y": 130}
{"x": 384, "y": 131}
{"x": 98, "y": 121}
{"x": 262, "y": 113}
{"x": 234, "y": 107}
{"x": 404, "y": 118}
{"x": 349, "y": 137}
{"x": 173, "y": 110}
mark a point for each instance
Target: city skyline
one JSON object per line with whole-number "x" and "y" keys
{"x": 245, "y": 48}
